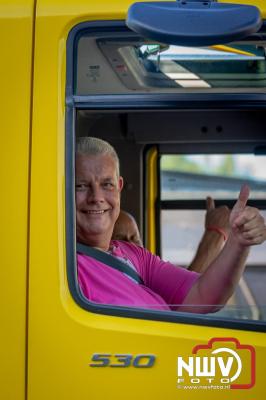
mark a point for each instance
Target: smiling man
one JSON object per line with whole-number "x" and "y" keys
{"x": 98, "y": 187}
{"x": 163, "y": 286}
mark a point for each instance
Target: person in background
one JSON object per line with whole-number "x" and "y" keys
{"x": 217, "y": 228}
{"x": 126, "y": 229}
{"x": 165, "y": 286}
{"x": 212, "y": 242}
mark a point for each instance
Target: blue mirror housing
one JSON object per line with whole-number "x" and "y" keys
{"x": 193, "y": 22}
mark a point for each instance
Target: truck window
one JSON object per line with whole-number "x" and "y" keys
{"x": 131, "y": 92}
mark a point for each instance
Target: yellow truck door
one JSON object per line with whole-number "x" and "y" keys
{"x": 66, "y": 342}
{"x": 16, "y": 27}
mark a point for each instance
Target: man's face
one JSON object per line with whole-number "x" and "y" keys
{"x": 97, "y": 199}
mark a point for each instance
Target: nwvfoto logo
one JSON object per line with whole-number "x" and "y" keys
{"x": 222, "y": 361}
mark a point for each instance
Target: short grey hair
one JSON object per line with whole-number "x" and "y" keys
{"x": 93, "y": 146}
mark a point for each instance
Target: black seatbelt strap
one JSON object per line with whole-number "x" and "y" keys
{"x": 109, "y": 260}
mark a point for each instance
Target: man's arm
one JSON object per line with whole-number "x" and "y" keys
{"x": 213, "y": 239}
{"x": 215, "y": 286}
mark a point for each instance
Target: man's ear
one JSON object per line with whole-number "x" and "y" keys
{"x": 120, "y": 183}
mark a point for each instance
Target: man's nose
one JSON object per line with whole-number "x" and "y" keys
{"x": 95, "y": 194}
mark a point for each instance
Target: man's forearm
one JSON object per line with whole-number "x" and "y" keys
{"x": 217, "y": 283}
{"x": 210, "y": 246}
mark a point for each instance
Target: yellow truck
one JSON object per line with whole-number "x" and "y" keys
{"x": 186, "y": 113}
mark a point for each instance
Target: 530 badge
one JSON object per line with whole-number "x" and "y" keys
{"x": 122, "y": 360}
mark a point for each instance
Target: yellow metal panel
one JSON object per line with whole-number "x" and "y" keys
{"x": 62, "y": 336}
{"x": 152, "y": 193}
{"x": 16, "y": 19}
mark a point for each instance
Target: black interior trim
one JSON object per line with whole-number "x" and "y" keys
{"x": 201, "y": 204}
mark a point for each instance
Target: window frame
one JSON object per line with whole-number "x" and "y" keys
{"x": 130, "y": 103}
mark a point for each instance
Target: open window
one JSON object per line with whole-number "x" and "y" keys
{"x": 193, "y": 106}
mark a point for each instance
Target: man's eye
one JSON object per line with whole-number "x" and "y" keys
{"x": 80, "y": 187}
{"x": 108, "y": 185}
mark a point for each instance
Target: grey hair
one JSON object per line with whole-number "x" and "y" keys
{"x": 93, "y": 146}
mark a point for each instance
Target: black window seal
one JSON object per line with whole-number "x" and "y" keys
{"x": 200, "y": 204}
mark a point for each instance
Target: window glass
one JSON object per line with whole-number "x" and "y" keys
{"x": 214, "y": 66}
{"x": 115, "y": 64}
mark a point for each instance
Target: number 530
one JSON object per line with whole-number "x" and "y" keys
{"x": 122, "y": 360}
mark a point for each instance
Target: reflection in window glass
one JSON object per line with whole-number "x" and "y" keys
{"x": 206, "y": 67}
{"x": 196, "y": 176}
{"x": 111, "y": 65}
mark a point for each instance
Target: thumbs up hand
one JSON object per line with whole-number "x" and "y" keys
{"x": 247, "y": 224}
{"x": 217, "y": 216}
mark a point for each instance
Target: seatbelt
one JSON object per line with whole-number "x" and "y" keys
{"x": 109, "y": 260}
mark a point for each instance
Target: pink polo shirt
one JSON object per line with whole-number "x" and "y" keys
{"x": 165, "y": 285}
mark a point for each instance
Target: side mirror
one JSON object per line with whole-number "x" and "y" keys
{"x": 193, "y": 22}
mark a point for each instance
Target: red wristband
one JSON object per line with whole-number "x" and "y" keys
{"x": 218, "y": 230}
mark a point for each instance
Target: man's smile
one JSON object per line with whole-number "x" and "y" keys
{"x": 95, "y": 212}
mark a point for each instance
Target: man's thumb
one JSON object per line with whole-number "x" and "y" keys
{"x": 210, "y": 204}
